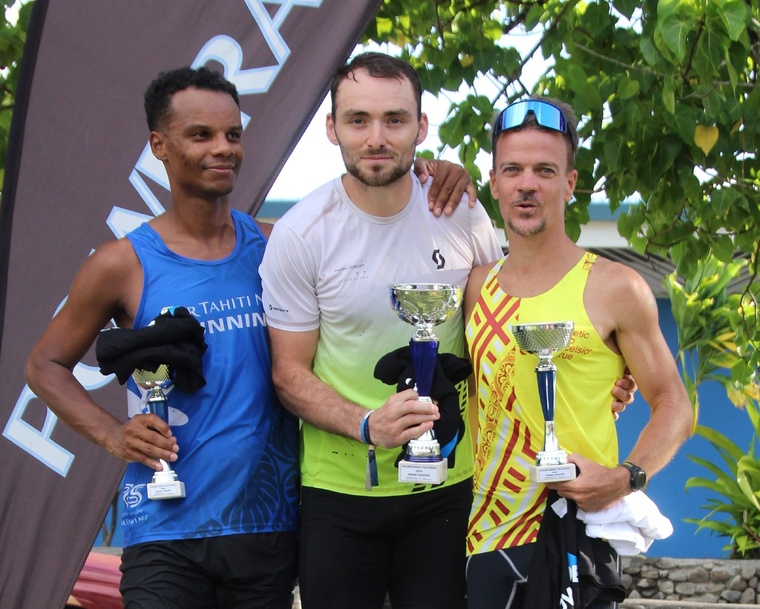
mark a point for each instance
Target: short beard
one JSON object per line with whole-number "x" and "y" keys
{"x": 528, "y": 233}
{"x": 377, "y": 179}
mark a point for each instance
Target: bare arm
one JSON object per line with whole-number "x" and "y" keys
{"x": 451, "y": 183}
{"x": 631, "y": 313}
{"x": 96, "y": 296}
{"x": 399, "y": 420}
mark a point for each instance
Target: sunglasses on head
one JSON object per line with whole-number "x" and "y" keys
{"x": 547, "y": 115}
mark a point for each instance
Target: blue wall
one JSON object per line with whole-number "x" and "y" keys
{"x": 667, "y": 488}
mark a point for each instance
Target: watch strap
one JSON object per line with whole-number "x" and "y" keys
{"x": 638, "y": 477}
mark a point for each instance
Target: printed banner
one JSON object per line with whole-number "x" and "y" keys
{"x": 78, "y": 173}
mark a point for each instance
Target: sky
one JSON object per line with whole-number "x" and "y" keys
{"x": 315, "y": 160}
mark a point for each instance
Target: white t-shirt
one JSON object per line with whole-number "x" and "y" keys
{"x": 329, "y": 265}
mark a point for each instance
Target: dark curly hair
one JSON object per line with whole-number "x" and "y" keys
{"x": 159, "y": 93}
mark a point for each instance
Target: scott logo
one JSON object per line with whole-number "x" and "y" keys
{"x": 439, "y": 260}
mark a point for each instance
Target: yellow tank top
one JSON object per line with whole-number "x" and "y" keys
{"x": 507, "y": 506}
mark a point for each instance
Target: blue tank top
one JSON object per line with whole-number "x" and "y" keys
{"x": 238, "y": 447}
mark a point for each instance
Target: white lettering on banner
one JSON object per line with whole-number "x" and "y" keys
{"x": 37, "y": 442}
{"x": 34, "y": 441}
{"x": 229, "y": 54}
{"x": 226, "y": 51}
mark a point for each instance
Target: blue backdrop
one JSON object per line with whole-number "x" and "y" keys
{"x": 667, "y": 488}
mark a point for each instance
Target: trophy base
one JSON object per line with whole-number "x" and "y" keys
{"x": 166, "y": 490}
{"x": 423, "y": 472}
{"x": 552, "y": 473}
{"x": 165, "y": 484}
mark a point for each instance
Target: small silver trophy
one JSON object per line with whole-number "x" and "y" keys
{"x": 424, "y": 305}
{"x": 544, "y": 340}
{"x": 165, "y": 484}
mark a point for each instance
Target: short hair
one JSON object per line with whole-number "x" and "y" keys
{"x": 530, "y": 122}
{"x": 159, "y": 93}
{"x": 378, "y": 65}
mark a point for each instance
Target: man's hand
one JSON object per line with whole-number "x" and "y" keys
{"x": 400, "y": 419}
{"x": 145, "y": 439}
{"x": 623, "y": 393}
{"x": 596, "y": 486}
{"x": 451, "y": 182}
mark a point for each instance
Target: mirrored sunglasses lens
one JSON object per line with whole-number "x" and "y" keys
{"x": 546, "y": 115}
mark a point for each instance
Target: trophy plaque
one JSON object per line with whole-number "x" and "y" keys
{"x": 165, "y": 484}
{"x": 544, "y": 340}
{"x": 424, "y": 305}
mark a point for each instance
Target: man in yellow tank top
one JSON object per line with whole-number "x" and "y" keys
{"x": 547, "y": 277}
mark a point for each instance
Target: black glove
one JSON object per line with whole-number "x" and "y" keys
{"x": 174, "y": 338}
{"x": 395, "y": 368}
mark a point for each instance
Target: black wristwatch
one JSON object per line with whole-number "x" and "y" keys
{"x": 638, "y": 476}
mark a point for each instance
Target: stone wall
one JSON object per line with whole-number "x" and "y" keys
{"x": 686, "y": 579}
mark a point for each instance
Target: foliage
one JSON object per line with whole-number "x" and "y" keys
{"x": 737, "y": 514}
{"x": 12, "y": 36}
{"x": 667, "y": 92}
{"x": 668, "y": 98}
{"x": 709, "y": 321}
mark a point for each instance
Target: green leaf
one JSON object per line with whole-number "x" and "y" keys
{"x": 669, "y": 100}
{"x": 628, "y": 88}
{"x": 724, "y": 248}
{"x": 734, "y": 16}
{"x": 384, "y": 26}
{"x": 534, "y": 16}
{"x": 721, "y": 442}
{"x": 674, "y": 33}
{"x": 712, "y": 47}
{"x": 649, "y": 51}
{"x": 667, "y": 8}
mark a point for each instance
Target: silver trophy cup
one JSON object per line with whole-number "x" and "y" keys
{"x": 424, "y": 305}
{"x": 544, "y": 340}
{"x": 165, "y": 484}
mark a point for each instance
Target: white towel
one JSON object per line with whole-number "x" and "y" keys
{"x": 629, "y": 525}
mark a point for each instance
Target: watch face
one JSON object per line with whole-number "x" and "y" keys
{"x": 638, "y": 476}
{"x": 638, "y": 480}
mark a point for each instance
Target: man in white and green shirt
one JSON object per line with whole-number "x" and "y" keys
{"x": 326, "y": 276}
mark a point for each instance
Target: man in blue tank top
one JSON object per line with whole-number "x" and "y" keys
{"x": 231, "y": 542}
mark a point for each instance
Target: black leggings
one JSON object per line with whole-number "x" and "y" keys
{"x": 355, "y": 549}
